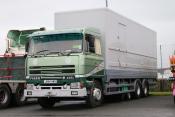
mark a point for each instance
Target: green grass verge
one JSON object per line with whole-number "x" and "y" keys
{"x": 160, "y": 93}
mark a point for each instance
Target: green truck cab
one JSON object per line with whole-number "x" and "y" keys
{"x": 65, "y": 64}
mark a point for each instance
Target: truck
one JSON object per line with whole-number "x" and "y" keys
{"x": 91, "y": 54}
{"x": 12, "y": 68}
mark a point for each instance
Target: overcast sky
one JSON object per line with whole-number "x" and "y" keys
{"x": 158, "y": 15}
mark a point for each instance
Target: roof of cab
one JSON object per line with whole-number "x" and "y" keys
{"x": 88, "y": 30}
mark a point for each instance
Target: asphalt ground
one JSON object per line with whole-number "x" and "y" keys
{"x": 152, "y": 106}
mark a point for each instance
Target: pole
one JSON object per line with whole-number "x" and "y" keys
{"x": 161, "y": 58}
{"x": 106, "y": 3}
{"x": 161, "y": 81}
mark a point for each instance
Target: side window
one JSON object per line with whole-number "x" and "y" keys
{"x": 97, "y": 46}
{"x": 90, "y": 43}
{"x": 93, "y": 44}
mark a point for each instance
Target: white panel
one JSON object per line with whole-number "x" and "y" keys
{"x": 126, "y": 44}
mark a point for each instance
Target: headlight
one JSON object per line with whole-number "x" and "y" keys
{"x": 30, "y": 86}
{"x": 75, "y": 85}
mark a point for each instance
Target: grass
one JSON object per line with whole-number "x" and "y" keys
{"x": 160, "y": 93}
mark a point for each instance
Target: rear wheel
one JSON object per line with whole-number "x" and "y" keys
{"x": 5, "y": 96}
{"x": 46, "y": 102}
{"x": 137, "y": 93}
{"x": 95, "y": 97}
{"x": 129, "y": 96}
{"x": 145, "y": 89}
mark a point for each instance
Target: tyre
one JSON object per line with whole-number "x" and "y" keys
{"x": 145, "y": 89}
{"x": 19, "y": 98}
{"x": 137, "y": 92}
{"x": 5, "y": 96}
{"x": 95, "y": 97}
{"x": 125, "y": 96}
{"x": 129, "y": 96}
{"x": 46, "y": 102}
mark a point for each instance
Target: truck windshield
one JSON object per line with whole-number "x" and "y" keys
{"x": 56, "y": 43}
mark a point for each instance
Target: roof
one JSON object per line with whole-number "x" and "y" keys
{"x": 88, "y": 30}
{"x": 105, "y": 10}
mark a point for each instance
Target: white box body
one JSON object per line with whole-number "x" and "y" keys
{"x": 129, "y": 49}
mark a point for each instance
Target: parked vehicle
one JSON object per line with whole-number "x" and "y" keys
{"x": 12, "y": 72}
{"x": 109, "y": 55}
{"x": 172, "y": 78}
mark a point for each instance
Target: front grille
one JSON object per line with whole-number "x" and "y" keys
{"x": 50, "y": 87}
{"x": 52, "y": 70}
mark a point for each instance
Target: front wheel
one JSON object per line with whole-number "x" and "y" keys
{"x": 5, "y": 96}
{"x": 19, "y": 98}
{"x": 95, "y": 96}
{"x": 46, "y": 102}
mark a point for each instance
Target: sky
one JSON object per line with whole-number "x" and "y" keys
{"x": 158, "y": 15}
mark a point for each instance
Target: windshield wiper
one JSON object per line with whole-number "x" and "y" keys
{"x": 65, "y": 52}
{"x": 68, "y": 52}
{"x": 41, "y": 51}
{"x": 56, "y": 52}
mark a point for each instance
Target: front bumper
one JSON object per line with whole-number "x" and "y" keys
{"x": 54, "y": 91}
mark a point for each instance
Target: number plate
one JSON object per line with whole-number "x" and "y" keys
{"x": 50, "y": 81}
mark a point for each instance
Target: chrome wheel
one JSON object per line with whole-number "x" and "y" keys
{"x": 3, "y": 97}
{"x": 138, "y": 91}
{"x": 145, "y": 90}
{"x": 97, "y": 94}
{"x": 21, "y": 95}
{"x": 129, "y": 95}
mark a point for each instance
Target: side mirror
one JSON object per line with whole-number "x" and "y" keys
{"x": 42, "y": 29}
{"x": 27, "y": 47}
